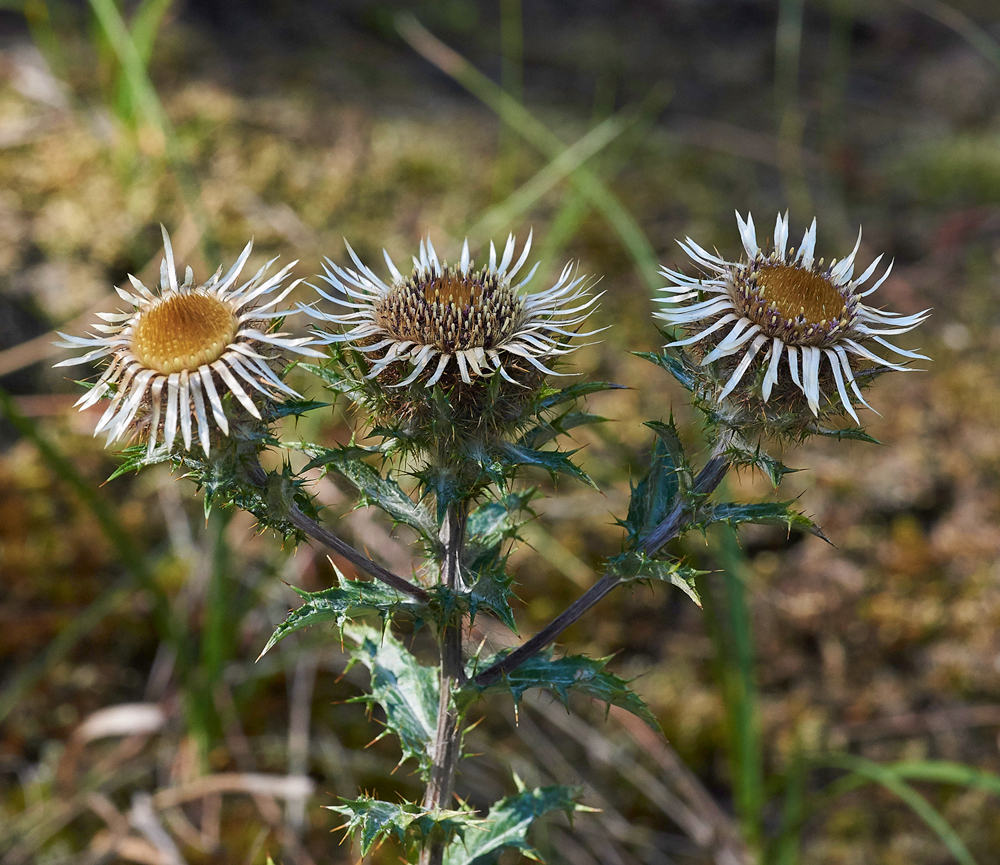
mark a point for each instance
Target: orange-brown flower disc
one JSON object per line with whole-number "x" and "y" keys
{"x": 184, "y": 331}
{"x": 793, "y": 291}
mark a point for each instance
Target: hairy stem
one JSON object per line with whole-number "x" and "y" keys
{"x": 314, "y": 530}
{"x": 446, "y": 748}
{"x": 705, "y": 483}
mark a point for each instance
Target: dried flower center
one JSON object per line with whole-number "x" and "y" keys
{"x": 183, "y": 331}
{"x": 452, "y": 311}
{"x": 796, "y": 305}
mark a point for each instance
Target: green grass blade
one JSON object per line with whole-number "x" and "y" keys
{"x": 565, "y": 225}
{"x": 732, "y": 634}
{"x": 522, "y": 199}
{"x": 793, "y": 813}
{"x": 148, "y": 104}
{"x": 133, "y": 68}
{"x": 36, "y": 15}
{"x": 891, "y": 779}
{"x": 946, "y": 772}
{"x": 538, "y": 135}
{"x": 145, "y": 25}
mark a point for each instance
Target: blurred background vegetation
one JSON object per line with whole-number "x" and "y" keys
{"x": 610, "y": 128}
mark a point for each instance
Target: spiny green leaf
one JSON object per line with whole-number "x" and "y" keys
{"x": 493, "y": 591}
{"x": 507, "y": 825}
{"x": 342, "y": 603}
{"x": 489, "y": 525}
{"x": 374, "y": 820}
{"x": 657, "y": 493}
{"x": 377, "y": 820}
{"x": 225, "y": 483}
{"x": 332, "y": 378}
{"x": 375, "y": 489}
{"x": 849, "y": 433}
{"x": 446, "y": 487}
{"x": 554, "y": 462}
{"x": 296, "y": 407}
{"x": 668, "y": 434}
{"x": 677, "y": 365}
{"x": 635, "y": 566}
{"x": 765, "y": 513}
{"x": 545, "y": 431}
{"x": 569, "y": 673}
{"x": 574, "y": 392}
{"x": 134, "y": 458}
{"x": 486, "y": 529}
{"x": 745, "y": 455}
{"x": 406, "y": 690}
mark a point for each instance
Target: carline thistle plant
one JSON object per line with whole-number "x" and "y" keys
{"x": 449, "y": 368}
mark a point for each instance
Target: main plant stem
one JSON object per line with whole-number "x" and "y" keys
{"x": 446, "y": 748}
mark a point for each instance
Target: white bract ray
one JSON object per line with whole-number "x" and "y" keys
{"x": 438, "y": 317}
{"x": 183, "y": 344}
{"x": 782, "y": 304}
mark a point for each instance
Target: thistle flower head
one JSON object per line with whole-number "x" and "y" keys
{"x": 450, "y": 323}
{"x": 784, "y": 305}
{"x": 169, "y": 358}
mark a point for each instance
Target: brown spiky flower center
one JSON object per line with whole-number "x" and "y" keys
{"x": 795, "y": 304}
{"x": 451, "y": 310}
{"x": 183, "y": 332}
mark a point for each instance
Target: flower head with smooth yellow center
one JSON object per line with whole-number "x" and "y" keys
{"x": 454, "y": 322}
{"x": 170, "y": 357}
{"x": 783, "y": 304}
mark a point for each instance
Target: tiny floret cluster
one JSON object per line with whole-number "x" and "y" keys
{"x": 442, "y": 319}
{"x": 784, "y": 304}
{"x": 169, "y": 358}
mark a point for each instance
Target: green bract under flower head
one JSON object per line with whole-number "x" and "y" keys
{"x": 783, "y": 304}
{"x": 180, "y": 346}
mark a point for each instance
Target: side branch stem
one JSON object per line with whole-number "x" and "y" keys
{"x": 314, "y": 530}
{"x": 705, "y": 483}
{"x": 446, "y": 748}
{"x": 373, "y": 569}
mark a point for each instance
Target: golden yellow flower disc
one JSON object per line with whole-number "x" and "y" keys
{"x": 184, "y": 331}
{"x": 794, "y": 291}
